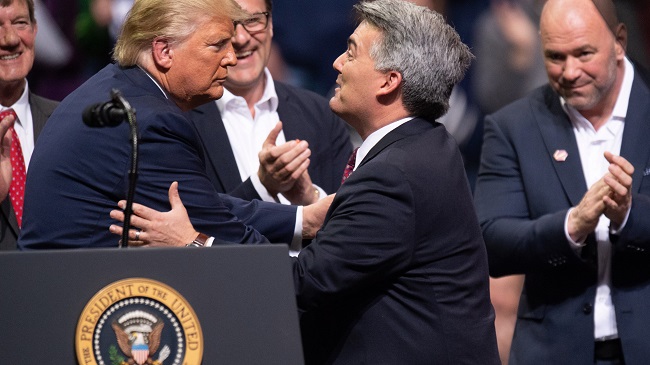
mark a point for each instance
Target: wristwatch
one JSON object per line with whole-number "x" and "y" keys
{"x": 199, "y": 241}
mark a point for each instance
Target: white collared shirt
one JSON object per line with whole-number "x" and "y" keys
{"x": 374, "y": 138}
{"x": 591, "y": 145}
{"x": 24, "y": 126}
{"x": 247, "y": 134}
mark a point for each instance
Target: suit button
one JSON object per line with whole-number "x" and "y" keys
{"x": 587, "y": 308}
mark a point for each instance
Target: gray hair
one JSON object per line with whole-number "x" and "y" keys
{"x": 175, "y": 20}
{"x": 419, "y": 44}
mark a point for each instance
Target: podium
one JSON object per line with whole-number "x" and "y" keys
{"x": 231, "y": 304}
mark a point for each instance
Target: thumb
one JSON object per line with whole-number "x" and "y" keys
{"x": 273, "y": 135}
{"x": 174, "y": 197}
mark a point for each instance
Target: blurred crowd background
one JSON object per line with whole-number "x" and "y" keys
{"x": 75, "y": 39}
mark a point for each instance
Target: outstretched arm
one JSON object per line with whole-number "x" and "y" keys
{"x": 173, "y": 228}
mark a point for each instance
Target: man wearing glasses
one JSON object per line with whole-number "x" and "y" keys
{"x": 171, "y": 57}
{"x": 249, "y": 153}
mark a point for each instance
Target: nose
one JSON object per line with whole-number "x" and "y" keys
{"x": 571, "y": 69}
{"x": 230, "y": 59}
{"x": 338, "y": 62}
{"x": 241, "y": 35}
{"x": 8, "y": 36}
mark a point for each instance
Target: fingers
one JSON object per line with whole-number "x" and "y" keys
{"x": 137, "y": 237}
{"x": 139, "y": 210}
{"x": 621, "y": 162}
{"x": 273, "y": 135}
{"x": 6, "y": 122}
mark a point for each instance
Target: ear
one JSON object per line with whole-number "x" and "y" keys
{"x": 621, "y": 39}
{"x": 391, "y": 82}
{"x": 162, "y": 52}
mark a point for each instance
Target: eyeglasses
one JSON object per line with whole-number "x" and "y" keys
{"x": 258, "y": 22}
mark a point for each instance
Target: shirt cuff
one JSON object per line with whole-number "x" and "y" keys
{"x": 208, "y": 242}
{"x": 575, "y": 245}
{"x": 296, "y": 243}
{"x": 261, "y": 190}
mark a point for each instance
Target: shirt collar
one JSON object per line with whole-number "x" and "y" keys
{"x": 155, "y": 82}
{"x": 21, "y": 107}
{"x": 375, "y": 137}
{"x": 270, "y": 96}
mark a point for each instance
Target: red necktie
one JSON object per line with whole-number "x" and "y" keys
{"x": 350, "y": 166}
{"x": 17, "y": 186}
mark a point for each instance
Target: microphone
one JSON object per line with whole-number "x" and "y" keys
{"x": 111, "y": 114}
{"x": 107, "y": 114}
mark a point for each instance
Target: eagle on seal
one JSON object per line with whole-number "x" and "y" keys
{"x": 134, "y": 345}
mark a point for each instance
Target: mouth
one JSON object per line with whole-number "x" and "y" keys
{"x": 243, "y": 54}
{"x": 9, "y": 57}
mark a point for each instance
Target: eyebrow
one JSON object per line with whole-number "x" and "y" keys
{"x": 352, "y": 43}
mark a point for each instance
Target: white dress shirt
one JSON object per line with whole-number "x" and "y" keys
{"x": 24, "y": 126}
{"x": 374, "y": 138}
{"x": 591, "y": 145}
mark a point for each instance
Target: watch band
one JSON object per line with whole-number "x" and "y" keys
{"x": 199, "y": 241}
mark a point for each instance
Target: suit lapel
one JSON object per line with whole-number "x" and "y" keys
{"x": 557, "y": 133}
{"x": 291, "y": 116}
{"x": 414, "y": 126}
{"x": 635, "y": 147}
{"x": 220, "y": 160}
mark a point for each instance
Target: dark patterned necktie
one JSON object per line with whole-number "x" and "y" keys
{"x": 17, "y": 186}
{"x": 350, "y": 166}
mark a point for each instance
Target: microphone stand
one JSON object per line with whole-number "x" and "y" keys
{"x": 117, "y": 98}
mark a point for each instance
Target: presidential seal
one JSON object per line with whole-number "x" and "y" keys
{"x": 138, "y": 321}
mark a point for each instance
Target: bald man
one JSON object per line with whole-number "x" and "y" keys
{"x": 563, "y": 195}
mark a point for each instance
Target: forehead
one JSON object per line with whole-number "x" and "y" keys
{"x": 573, "y": 29}
{"x": 212, "y": 29}
{"x": 15, "y": 6}
{"x": 252, "y": 5}
{"x": 364, "y": 36}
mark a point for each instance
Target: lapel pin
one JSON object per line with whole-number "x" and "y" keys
{"x": 560, "y": 155}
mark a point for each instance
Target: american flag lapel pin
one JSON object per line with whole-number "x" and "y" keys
{"x": 560, "y": 155}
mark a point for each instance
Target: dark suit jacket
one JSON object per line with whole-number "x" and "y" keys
{"x": 305, "y": 115}
{"x": 78, "y": 173}
{"x": 398, "y": 274}
{"x": 41, "y": 110}
{"x": 522, "y": 197}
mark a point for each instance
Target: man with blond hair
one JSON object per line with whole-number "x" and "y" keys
{"x": 172, "y": 56}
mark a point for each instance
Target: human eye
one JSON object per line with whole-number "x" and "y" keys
{"x": 554, "y": 56}
{"x": 254, "y": 20}
{"x": 22, "y": 23}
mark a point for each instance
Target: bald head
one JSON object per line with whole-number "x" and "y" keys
{"x": 604, "y": 9}
{"x": 584, "y": 56}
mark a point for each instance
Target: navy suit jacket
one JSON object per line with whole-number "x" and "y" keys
{"x": 78, "y": 173}
{"x": 398, "y": 274}
{"x": 522, "y": 197}
{"x": 41, "y": 110}
{"x": 305, "y": 115}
